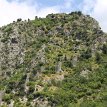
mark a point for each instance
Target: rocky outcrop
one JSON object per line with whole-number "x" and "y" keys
{"x": 1, "y": 96}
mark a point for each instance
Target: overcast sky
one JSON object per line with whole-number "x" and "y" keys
{"x": 11, "y": 10}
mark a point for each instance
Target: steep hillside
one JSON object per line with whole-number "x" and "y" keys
{"x": 57, "y": 61}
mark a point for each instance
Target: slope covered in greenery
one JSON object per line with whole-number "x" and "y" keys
{"x": 57, "y": 61}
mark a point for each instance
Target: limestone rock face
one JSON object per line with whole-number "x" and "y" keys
{"x": 11, "y": 103}
{"x": 85, "y": 73}
{"x": 58, "y": 67}
{"x": 1, "y": 97}
{"x": 41, "y": 102}
{"x": 74, "y": 61}
{"x": 12, "y": 50}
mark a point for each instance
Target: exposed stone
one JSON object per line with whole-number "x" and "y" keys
{"x": 85, "y": 73}
{"x": 38, "y": 88}
{"x": 11, "y": 103}
{"x": 1, "y": 96}
{"x": 74, "y": 61}
{"x": 58, "y": 67}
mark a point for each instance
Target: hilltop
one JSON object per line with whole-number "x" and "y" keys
{"x": 57, "y": 61}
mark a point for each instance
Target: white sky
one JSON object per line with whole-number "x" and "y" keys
{"x": 11, "y": 11}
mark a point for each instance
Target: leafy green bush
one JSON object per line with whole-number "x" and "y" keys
{"x": 104, "y": 49}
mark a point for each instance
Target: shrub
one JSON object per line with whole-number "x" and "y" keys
{"x": 104, "y": 48}
{"x": 87, "y": 54}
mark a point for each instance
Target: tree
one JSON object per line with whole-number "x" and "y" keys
{"x": 104, "y": 49}
{"x": 87, "y": 54}
{"x": 98, "y": 57}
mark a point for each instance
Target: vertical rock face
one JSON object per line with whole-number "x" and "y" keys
{"x": 1, "y": 97}
{"x": 11, "y": 50}
{"x": 84, "y": 73}
{"x": 26, "y": 82}
{"x": 11, "y": 103}
{"x": 74, "y": 61}
{"x": 59, "y": 66}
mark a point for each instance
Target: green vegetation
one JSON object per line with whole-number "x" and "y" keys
{"x": 57, "y": 61}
